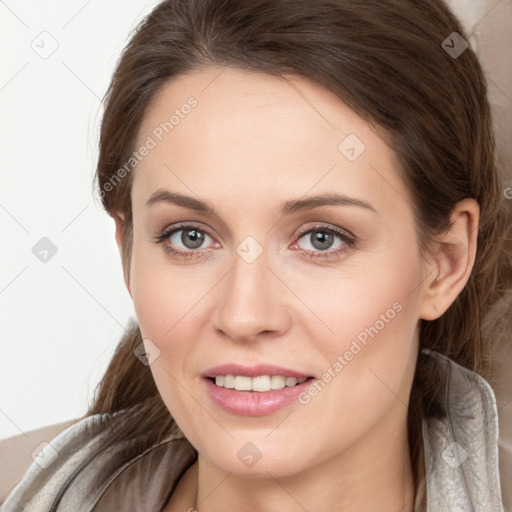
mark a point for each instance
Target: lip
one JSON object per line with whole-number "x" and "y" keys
{"x": 252, "y": 371}
{"x": 254, "y": 403}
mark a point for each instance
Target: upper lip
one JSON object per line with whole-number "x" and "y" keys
{"x": 252, "y": 371}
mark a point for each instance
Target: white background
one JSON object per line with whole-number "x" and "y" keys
{"x": 61, "y": 320}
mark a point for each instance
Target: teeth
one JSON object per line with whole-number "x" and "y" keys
{"x": 261, "y": 383}
{"x": 291, "y": 381}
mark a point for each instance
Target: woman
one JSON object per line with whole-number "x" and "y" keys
{"x": 312, "y": 230}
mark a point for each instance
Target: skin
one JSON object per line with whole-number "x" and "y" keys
{"x": 252, "y": 142}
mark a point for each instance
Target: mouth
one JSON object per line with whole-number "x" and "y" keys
{"x": 255, "y": 396}
{"x": 257, "y": 384}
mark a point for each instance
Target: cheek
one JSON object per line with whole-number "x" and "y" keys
{"x": 167, "y": 316}
{"x": 369, "y": 360}
{"x": 160, "y": 294}
{"x": 370, "y": 297}
{"x": 163, "y": 303}
{"x": 167, "y": 301}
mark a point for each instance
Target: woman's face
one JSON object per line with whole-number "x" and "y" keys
{"x": 267, "y": 277}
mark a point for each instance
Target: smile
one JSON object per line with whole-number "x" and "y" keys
{"x": 255, "y": 402}
{"x": 261, "y": 383}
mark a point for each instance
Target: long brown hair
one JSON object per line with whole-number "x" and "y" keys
{"x": 385, "y": 60}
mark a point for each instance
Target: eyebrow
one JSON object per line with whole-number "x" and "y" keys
{"x": 286, "y": 207}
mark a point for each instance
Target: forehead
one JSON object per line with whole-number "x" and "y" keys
{"x": 258, "y": 137}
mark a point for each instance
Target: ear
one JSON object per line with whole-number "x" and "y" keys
{"x": 119, "y": 220}
{"x": 450, "y": 267}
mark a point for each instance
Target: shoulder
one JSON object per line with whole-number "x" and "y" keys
{"x": 63, "y": 470}
{"x": 17, "y": 453}
{"x": 461, "y": 448}
{"x": 52, "y": 467}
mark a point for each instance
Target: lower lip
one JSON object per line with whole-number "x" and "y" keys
{"x": 254, "y": 403}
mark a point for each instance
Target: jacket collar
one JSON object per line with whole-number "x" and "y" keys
{"x": 461, "y": 450}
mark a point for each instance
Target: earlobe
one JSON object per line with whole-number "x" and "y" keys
{"x": 452, "y": 263}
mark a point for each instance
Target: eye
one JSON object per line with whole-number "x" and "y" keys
{"x": 322, "y": 237}
{"x": 191, "y": 238}
{"x": 188, "y": 236}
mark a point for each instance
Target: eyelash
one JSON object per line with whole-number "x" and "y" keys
{"x": 348, "y": 239}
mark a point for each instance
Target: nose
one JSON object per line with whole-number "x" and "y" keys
{"x": 252, "y": 301}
